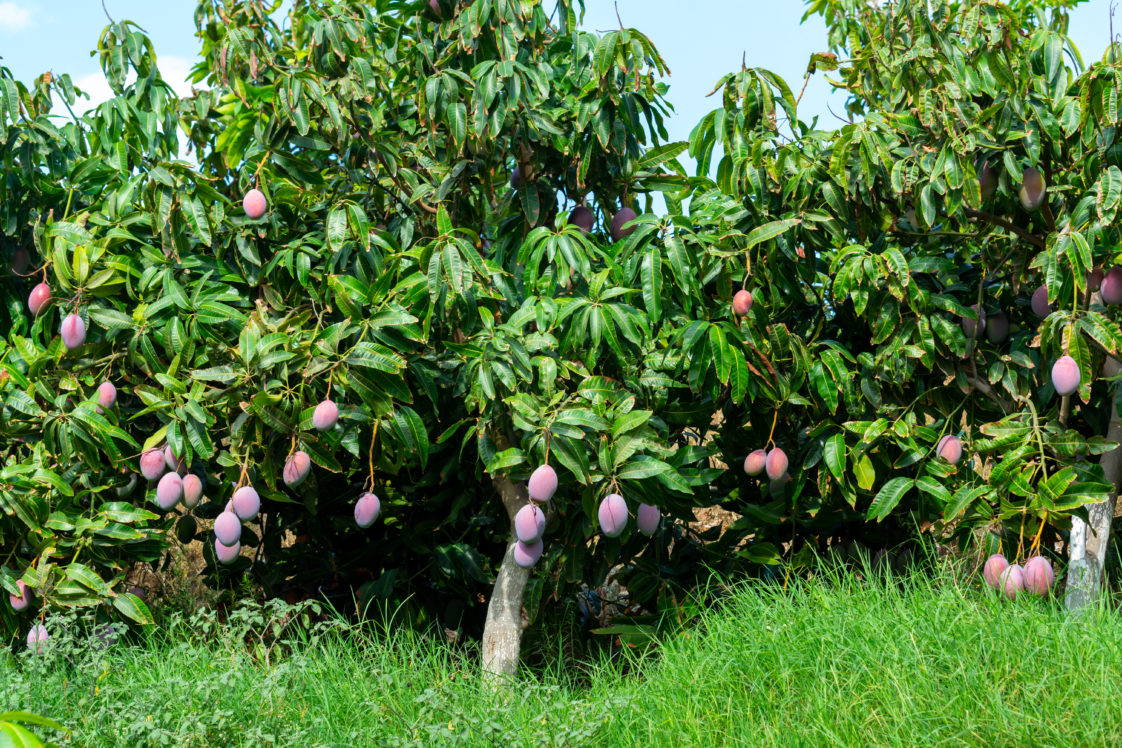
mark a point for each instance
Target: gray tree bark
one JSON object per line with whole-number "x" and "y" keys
{"x": 1088, "y": 541}
{"x": 502, "y": 632}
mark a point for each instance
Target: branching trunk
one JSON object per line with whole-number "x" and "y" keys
{"x": 1089, "y": 541}
{"x": 502, "y": 633}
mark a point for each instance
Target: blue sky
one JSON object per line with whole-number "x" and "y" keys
{"x": 700, "y": 39}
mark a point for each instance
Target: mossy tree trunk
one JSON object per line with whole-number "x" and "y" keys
{"x": 1090, "y": 540}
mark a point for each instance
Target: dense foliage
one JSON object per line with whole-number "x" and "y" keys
{"x": 437, "y": 257}
{"x": 877, "y": 244}
{"x": 462, "y": 326}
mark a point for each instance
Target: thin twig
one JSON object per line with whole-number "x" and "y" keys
{"x": 806, "y": 80}
{"x": 999, "y": 221}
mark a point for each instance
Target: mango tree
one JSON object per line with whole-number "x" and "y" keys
{"x": 941, "y": 277}
{"x": 412, "y": 262}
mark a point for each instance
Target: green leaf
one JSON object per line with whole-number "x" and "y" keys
{"x": 661, "y": 154}
{"x": 720, "y": 353}
{"x": 133, "y": 608}
{"x": 506, "y": 459}
{"x": 18, "y": 400}
{"x": 866, "y": 475}
{"x": 456, "y": 117}
{"x": 1055, "y": 486}
{"x": 84, "y": 576}
{"x": 738, "y": 377}
{"x": 605, "y": 52}
{"x": 336, "y": 228}
{"x": 1081, "y": 494}
{"x": 321, "y": 455}
{"x": 412, "y": 428}
{"x": 642, "y": 467}
{"x": 1108, "y": 193}
{"x": 963, "y": 498}
{"x": 888, "y": 497}
{"x": 651, "y": 276}
{"x": 771, "y": 230}
{"x": 373, "y": 356}
{"x": 933, "y": 488}
{"x": 197, "y": 219}
{"x": 110, "y": 318}
{"x": 17, "y": 737}
{"x": 1102, "y": 330}
{"x": 582, "y": 417}
{"x": 835, "y": 455}
{"x": 43, "y": 475}
{"x": 630, "y": 422}
{"x": 31, "y": 719}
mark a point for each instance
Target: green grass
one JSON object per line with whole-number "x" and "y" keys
{"x": 832, "y": 662}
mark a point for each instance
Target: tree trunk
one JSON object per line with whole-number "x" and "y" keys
{"x": 1088, "y": 544}
{"x": 502, "y": 633}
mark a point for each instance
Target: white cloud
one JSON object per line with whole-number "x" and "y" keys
{"x": 96, "y": 87}
{"x": 175, "y": 71}
{"x": 14, "y": 18}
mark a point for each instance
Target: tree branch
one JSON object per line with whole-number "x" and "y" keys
{"x": 999, "y": 221}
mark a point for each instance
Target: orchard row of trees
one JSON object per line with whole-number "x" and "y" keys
{"x": 417, "y": 260}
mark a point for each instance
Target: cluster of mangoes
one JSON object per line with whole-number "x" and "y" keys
{"x": 1065, "y": 377}
{"x": 1035, "y": 577}
{"x": 174, "y": 484}
{"x": 529, "y": 521}
{"x": 774, "y": 462}
{"x": 584, "y": 219}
